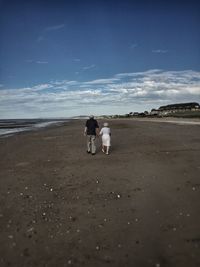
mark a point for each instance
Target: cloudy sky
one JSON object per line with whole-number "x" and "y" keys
{"x": 67, "y": 58}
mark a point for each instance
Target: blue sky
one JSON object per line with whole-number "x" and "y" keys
{"x": 66, "y": 58}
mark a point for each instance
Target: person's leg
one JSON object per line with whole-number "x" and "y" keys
{"x": 108, "y": 146}
{"x": 88, "y": 143}
{"x": 103, "y": 148}
{"x": 93, "y": 146}
{"x": 102, "y": 145}
{"x": 107, "y": 150}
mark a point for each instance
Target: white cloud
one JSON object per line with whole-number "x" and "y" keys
{"x": 55, "y": 27}
{"x": 89, "y": 67}
{"x": 41, "y": 62}
{"x": 36, "y": 62}
{"x": 159, "y": 51}
{"x": 41, "y": 87}
{"x": 127, "y": 91}
{"x": 102, "y": 81}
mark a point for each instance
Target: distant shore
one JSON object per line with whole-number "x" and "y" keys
{"x": 10, "y": 127}
{"x": 169, "y": 120}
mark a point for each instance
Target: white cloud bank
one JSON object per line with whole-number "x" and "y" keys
{"x": 119, "y": 94}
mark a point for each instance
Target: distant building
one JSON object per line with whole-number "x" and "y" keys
{"x": 192, "y": 106}
{"x": 168, "y": 110}
{"x": 154, "y": 112}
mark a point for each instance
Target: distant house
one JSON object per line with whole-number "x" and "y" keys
{"x": 154, "y": 112}
{"x": 192, "y": 106}
{"x": 131, "y": 114}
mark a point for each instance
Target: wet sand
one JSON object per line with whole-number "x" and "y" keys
{"x": 139, "y": 206}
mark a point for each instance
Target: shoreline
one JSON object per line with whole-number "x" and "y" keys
{"x": 28, "y": 128}
{"x": 171, "y": 120}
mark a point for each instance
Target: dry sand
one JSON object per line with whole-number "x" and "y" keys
{"x": 139, "y": 206}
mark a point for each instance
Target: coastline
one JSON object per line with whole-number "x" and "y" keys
{"x": 12, "y": 127}
{"x": 139, "y": 206}
{"x": 194, "y": 121}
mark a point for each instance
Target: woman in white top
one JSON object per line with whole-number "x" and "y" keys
{"x": 106, "y": 134}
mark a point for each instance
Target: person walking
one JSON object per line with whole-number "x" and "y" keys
{"x": 91, "y": 130}
{"x": 106, "y": 138}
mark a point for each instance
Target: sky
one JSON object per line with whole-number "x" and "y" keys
{"x": 69, "y": 58}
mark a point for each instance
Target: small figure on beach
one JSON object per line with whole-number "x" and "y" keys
{"x": 91, "y": 131}
{"x": 106, "y": 138}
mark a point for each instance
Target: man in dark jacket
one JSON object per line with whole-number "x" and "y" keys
{"x": 91, "y": 130}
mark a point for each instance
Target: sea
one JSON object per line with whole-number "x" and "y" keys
{"x": 13, "y": 126}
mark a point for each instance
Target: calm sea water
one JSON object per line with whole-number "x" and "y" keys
{"x": 10, "y": 127}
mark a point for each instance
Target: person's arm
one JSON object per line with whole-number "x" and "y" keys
{"x": 85, "y": 130}
{"x": 97, "y": 131}
{"x": 97, "y": 128}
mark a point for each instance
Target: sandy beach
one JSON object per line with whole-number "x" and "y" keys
{"x": 138, "y": 206}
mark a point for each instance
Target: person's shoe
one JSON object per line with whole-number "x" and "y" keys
{"x": 93, "y": 154}
{"x": 88, "y": 152}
